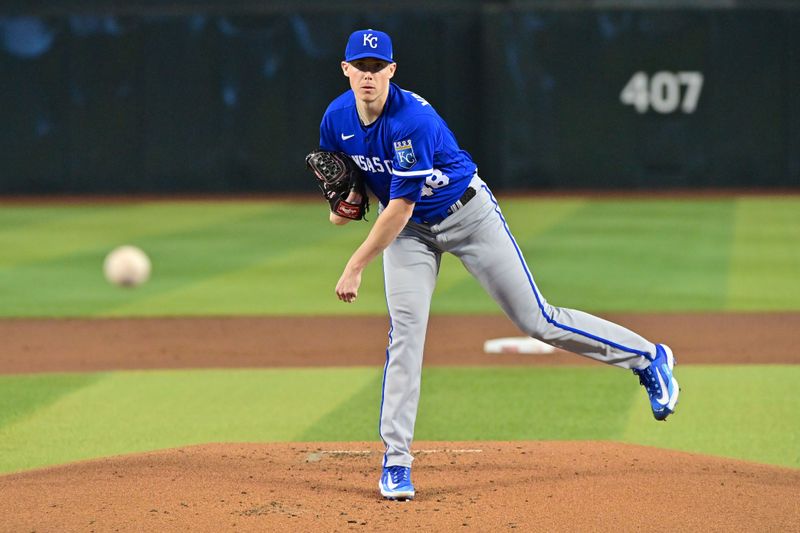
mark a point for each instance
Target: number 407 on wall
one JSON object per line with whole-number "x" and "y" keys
{"x": 662, "y": 91}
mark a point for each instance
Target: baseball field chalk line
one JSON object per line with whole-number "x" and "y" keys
{"x": 346, "y": 452}
{"x": 314, "y": 457}
{"x": 466, "y": 450}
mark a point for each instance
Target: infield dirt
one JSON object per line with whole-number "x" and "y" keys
{"x": 479, "y": 486}
{"x": 64, "y": 345}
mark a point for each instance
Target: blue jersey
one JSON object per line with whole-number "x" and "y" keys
{"x": 408, "y": 152}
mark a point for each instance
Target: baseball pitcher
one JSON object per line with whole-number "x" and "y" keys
{"x": 432, "y": 201}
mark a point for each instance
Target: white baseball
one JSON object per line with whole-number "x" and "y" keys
{"x": 127, "y": 266}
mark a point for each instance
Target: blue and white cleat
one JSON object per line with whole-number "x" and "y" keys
{"x": 395, "y": 483}
{"x": 661, "y": 385}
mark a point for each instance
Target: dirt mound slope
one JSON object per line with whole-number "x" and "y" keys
{"x": 483, "y": 486}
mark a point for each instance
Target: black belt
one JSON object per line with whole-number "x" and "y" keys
{"x": 468, "y": 195}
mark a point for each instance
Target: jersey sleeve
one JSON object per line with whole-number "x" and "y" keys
{"x": 327, "y": 140}
{"x": 412, "y": 159}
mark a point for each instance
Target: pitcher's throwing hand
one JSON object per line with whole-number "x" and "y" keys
{"x": 347, "y": 287}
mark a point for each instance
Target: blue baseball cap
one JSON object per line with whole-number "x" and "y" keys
{"x": 368, "y": 43}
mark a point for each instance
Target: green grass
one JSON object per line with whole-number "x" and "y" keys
{"x": 765, "y": 259}
{"x": 748, "y": 412}
{"x": 269, "y": 257}
{"x": 650, "y": 256}
{"x": 122, "y": 412}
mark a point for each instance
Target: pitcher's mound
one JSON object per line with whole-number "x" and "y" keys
{"x": 486, "y": 486}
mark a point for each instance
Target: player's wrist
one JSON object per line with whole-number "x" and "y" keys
{"x": 337, "y": 220}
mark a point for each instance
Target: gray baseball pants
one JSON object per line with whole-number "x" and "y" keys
{"x": 478, "y": 235}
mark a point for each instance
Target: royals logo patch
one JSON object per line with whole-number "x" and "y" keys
{"x": 404, "y": 154}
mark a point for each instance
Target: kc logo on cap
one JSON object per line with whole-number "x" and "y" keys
{"x": 368, "y": 43}
{"x": 370, "y": 40}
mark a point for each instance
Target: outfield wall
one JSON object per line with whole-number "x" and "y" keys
{"x": 213, "y": 96}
